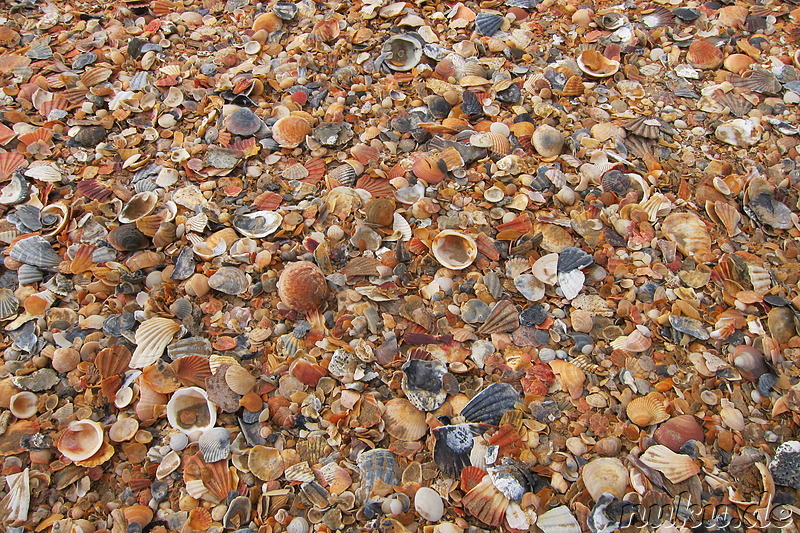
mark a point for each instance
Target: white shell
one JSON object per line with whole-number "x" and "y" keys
{"x": 17, "y": 502}
{"x": 191, "y": 398}
{"x": 23, "y": 404}
{"x": 258, "y": 224}
{"x": 454, "y": 250}
{"x": 140, "y": 205}
{"x": 675, "y": 466}
{"x": 168, "y": 465}
{"x": 215, "y": 444}
{"x": 151, "y": 338}
{"x": 558, "y": 520}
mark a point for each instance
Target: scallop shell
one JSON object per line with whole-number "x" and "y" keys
{"x": 488, "y": 24}
{"x": 704, "y": 55}
{"x": 81, "y": 440}
{"x": 243, "y": 122}
{"x": 573, "y": 87}
{"x": 9, "y": 162}
{"x": 258, "y": 224}
{"x": 8, "y": 303}
{"x": 422, "y": 383}
{"x": 675, "y": 466}
{"x": 152, "y": 337}
{"x": 23, "y": 404}
{"x": 454, "y": 250}
{"x": 647, "y": 410}
{"x": 570, "y": 376}
{"x": 239, "y": 379}
{"x": 112, "y": 361}
{"x": 558, "y": 520}
{"x": 489, "y": 405}
{"x": 596, "y": 64}
{"x": 27, "y": 274}
{"x": 503, "y": 318}
{"x": 428, "y": 169}
{"x": 452, "y": 449}
{"x": 302, "y": 286}
{"x": 265, "y": 463}
{"x": 35, "y": 251}
{"x": 290, "y": 131}
{"x": 404, "y": 421}
{"x": 346, "y": 173}
{"x": 215, "y": 444}
{"x": 190, "y": 410}
{"x": 374, "y": 465}
{"x": 151, "y": 403}
{"x": 402, "y": 52}
{"x": 689, "y": 234}
{"x": 636, "y": 342}
{"x": 299, "y": 472}
{"x": 486, "y": 503}
{"x": 605, "y": 474}
{"x": 140, "y": 205}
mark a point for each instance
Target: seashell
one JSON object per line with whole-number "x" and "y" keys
{"x": 636, "y": 342}
{"x": 9, "y": 162}
{"x": 503, "y": 318}
{"x": 770, "y": 211}
{"x": 17, "y": 191}
{"x": 677, "y": 431}
{"x": 572, "y": 258}
{"x": 689, "y": 326}
{"x": 299, "y": 472}
{"x": 379, "y": 211}
{"x": 140, "y": 514}
{"x": 258, "y": 224}
{"x": 488, "y": 24}
{"x": 738, "y": 106}
{"x": 238, "y": 513}
{"x": 127, "y": 238}
{"x": 545, "y": 269}
{"x": 290, "y": 131}
{"x": 573, "y": 87}
{"x": 704, "y": 55}
{"x": 647, "y": 410}
{"x": 23, "y": 404}
{"x": 676, "y": 467}
{"x": 16, "y": 502}
{"x": 689, "y": 234}
{"x": 547, "y": 141}
{"x": 81, "y": 440}
{"x": 27, "y": 274}
{"x": 429, "y": 504}
{"x": 489, "y": 405}
{"x": 190, "y": 410}
{"x": 454, "y": 250}
{"x": 374, "y": 465}
{"x": 749, "y": 361}
{"x": 123, "y": 429}
{"x": 229, "y": 280}
{"x": 35, "y": 251}
{"x": 112, "y": 361}
{"x": 302, "y": 286}
{"x": 570, "y": 376}
{"x": 558, "y": 520}
{"x": 496, "y": 143}
{"x": 285, "y": 10}
{"x": 404, "y": 421}
{"x": 428, "y": 170}
{"x": 152, "y": 337}
{"x": 605, "y": 474}
{"x": 265, "y": 463}
{"x": 402, "y": 52}
{"x": 239, "y": 379}
{"x": 486, "y": 503}
{"x": 325, "y": 30}
{"x": 8, "y": 303}
{"x": 215, "y": 444}
{"x": 453, "y": 447}
{"x": 243, "y": 122}
{"x": 422, "y": 383}
{"x": 140, "y": 205}
{"x": 595, "y": 64}
{"x": 346, "y": 173}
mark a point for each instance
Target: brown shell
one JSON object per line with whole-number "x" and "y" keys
{"x": 704, "y": 55}
{"x": 302, "y": 286}
{"x": 573, "y": 87}
{"x": 112, "y": 360}
{"x": 192, "y": 370}
{"x": 291, "y": 131}
{"x": 325, "y": 30}
{"x": 404, "y": 421}
{"x": 428, "y": 169}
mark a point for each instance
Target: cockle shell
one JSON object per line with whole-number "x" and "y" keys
{"x": 190, "y": 410}
{"x": 605, "y": 474}
{"x": 81, "y": 440}
{"x": 647, "y": 410}
{"x": 290, "y": 131}
{"x": 302, "y": 286}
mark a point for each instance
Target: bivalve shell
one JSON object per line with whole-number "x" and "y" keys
{"x": 647, "y": 410}
{"x": 596, "y": 64}
{"x": 215, "y": 444}
{"x": 605, "y": 474}
{"x": 302, "y": 286}
{"x": 454, "y": 250}
{"x": 675, "y": 466}
{"x": 190, "y": 410}
{"x": 81, "y": 440}
{"x": 23, "y": 404}
{"x": 291, "y": 131}
{"x": 140, "y": 205}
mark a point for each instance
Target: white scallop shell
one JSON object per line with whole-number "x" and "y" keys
{"x": 558, "y": 520}
{"x": 17, "y": 502}
{"x": 152, "y": 338}
{"x": 675, "y": 466}
{"x": 402, "y": 226}
{"x": 45, "y": 173}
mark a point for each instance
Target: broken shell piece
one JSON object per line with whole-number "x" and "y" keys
{"x": 454, "y": 250}
{"x": 596, "y": 64}
{"x": 558, "y": 520}
{"x": 81, "y": 440}
{"x": 675, "y": 466}
{"x": 265, "y": 463}
{"x": 35, "y": 251}
{"x": 377, "y": 464}
{"x": 190, "y": 410}
{"x": 402, "y": 52}
{"x": 423, "y": 385}
{"x": 257, "y": 225}
{"x": 17, "y": 191}
{"x": 453, "y": 448}
{"x": 605, "y": 474}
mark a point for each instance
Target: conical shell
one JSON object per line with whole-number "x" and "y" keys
{"x": 215, "y": 444}
{"x": 489, "y": 405}
{"x": 81, "y": 440}
{"x": 647, "y": 410}
{"x": 605, "y": 474}
{"x": 152, "y": 337}
{"x": 229, "y": 280}
{"x": 454, "y": 250}
{"x": 190, "y": 410}
{"x": 675, "y": 466}
{"x": 404, "y": 421}
{"x": 127, "y": 238}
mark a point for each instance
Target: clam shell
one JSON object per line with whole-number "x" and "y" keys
{"x": 239, "y": 379}
{"x": 402, "y": 52}
{"x": 35, "y": 251}
{"x": 675, "y": 466}
{"x": 265, "y": 463}
{"x": 229, "y": 280}
{"x": 596, "y": 64}
{"x": 647, "y": 410}
{"x": 290, "y": 131}
{"x": 404, "y": 421}
{"x": 215, "y": 444}
{"x": 190, "y": 410}
{"x": 81, "y": 440}
{"x": 605, "y": 474}
{"x": 16, "y": 502}
{"x": 299, "y": 472}
{"x": 258, "y": 224}
{"x": 23, "y": 404}
{"x": 677, "y": 431}
{"x": 238, "y": 513}
{"x": 422, "y": 384}
{"x": 454, "y": 250}
{"x": 489, "y": 405}
{"x": 140, "y": 205}
{"x": 123, "y": 429}
{"x": 243, "y": 122}
{"x": 374, "y": 465}
{"x": 152, "y": 337}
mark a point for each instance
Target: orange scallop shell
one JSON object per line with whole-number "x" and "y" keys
{"x": 192, "y": 370}
{"x": 9, "y": 162}
{"x": 427, "y": 169}
{"x": 704, "y": 55}
{"x": 290, "y": 131}
{"x": 647, "y": 410}
{"x": 112, "y": 360}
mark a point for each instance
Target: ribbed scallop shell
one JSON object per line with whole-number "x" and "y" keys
{"x": 675, "y": 466}
{"x": 346, "y": 173}
{"x": 689, "y": 234}
{"x": 489, "y": 405}
{"x": 112, "y": 360}
{"x": 239, "y": 379}
{"x": 192, "y": 370}
{"x": 503, "y": 318}
{"x": 488, "y": 23}
{"x": 558, "y": 520}
{"x": 573, "y": 87}
{"x": 486, "y": 503}
{"x": 27, "y": 274}
{"x": 152, "y": 338}
{"x": 299, "y": 472}
{"x": 404, "y": 421}
{"x": 636, "y": 342}
{"x": 647, "y": 410}
{"x": 35, "y": 251}
{"x": 570, "y": 376}
{"x": 704, "y": 55}
{"x": 374, "y": 465}
{"x": 82, "y": 260}
{"x": 215, "y": 444}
